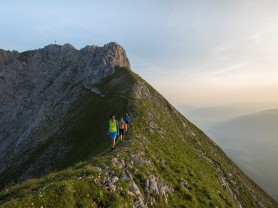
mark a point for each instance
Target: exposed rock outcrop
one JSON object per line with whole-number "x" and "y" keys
{"x": 40, "y": 85}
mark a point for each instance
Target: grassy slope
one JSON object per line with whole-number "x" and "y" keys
{"x": 180, "y": 145}
{"x": 164, "y": 136}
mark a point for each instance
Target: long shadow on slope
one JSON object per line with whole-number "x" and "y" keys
{"x": 81, "y": 132}
{"x": 85, "y": 126}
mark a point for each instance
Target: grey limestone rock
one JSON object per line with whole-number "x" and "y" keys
{"x": 155, "y": 187}
{"x": 39, "y": 85}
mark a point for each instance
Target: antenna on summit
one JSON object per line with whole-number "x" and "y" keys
{"x": 55, "y": 42}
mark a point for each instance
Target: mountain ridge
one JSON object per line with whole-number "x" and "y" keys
{"x": 165, "y": 160}
{"x": 41, "y": 85}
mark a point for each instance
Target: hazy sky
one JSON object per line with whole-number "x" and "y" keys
{"x": 194, "y": 52}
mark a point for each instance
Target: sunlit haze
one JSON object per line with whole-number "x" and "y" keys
{"x": 200, "y": 53}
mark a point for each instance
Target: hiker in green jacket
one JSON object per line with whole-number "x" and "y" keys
{"x": 112, "y": 130}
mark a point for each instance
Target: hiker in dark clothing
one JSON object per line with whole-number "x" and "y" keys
{"x": 126, "y": 119}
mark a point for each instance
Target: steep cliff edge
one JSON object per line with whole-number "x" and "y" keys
{"x": 165, "y": 161}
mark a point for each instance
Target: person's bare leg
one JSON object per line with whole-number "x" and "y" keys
{"x": 113, "y": 143}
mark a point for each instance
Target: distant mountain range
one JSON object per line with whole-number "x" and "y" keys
{"x": 250, "y": 140}
{"x": 206, "y": 117}
{"x": 54, "y": 151}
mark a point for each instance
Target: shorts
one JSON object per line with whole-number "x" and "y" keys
{"x": 112, "y": 135}
{"x": 122, "y": 132}
{"x": 126, "y": 122}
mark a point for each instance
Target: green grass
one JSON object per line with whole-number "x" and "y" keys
{"x": 68, "y": 188}
{"x": 170, "y": 144}
{"x": 182, "y": 161}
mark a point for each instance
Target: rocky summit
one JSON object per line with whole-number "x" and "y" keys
{"x": 54, "y": 150}
{"x": 38, "y": 87}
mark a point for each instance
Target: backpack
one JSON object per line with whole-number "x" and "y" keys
{"x": 122, "y": 125}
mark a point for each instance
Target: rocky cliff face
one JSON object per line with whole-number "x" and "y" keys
{"x": 40, "y": 85}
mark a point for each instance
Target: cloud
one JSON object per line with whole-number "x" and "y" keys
{"x": 229, "y": 69}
